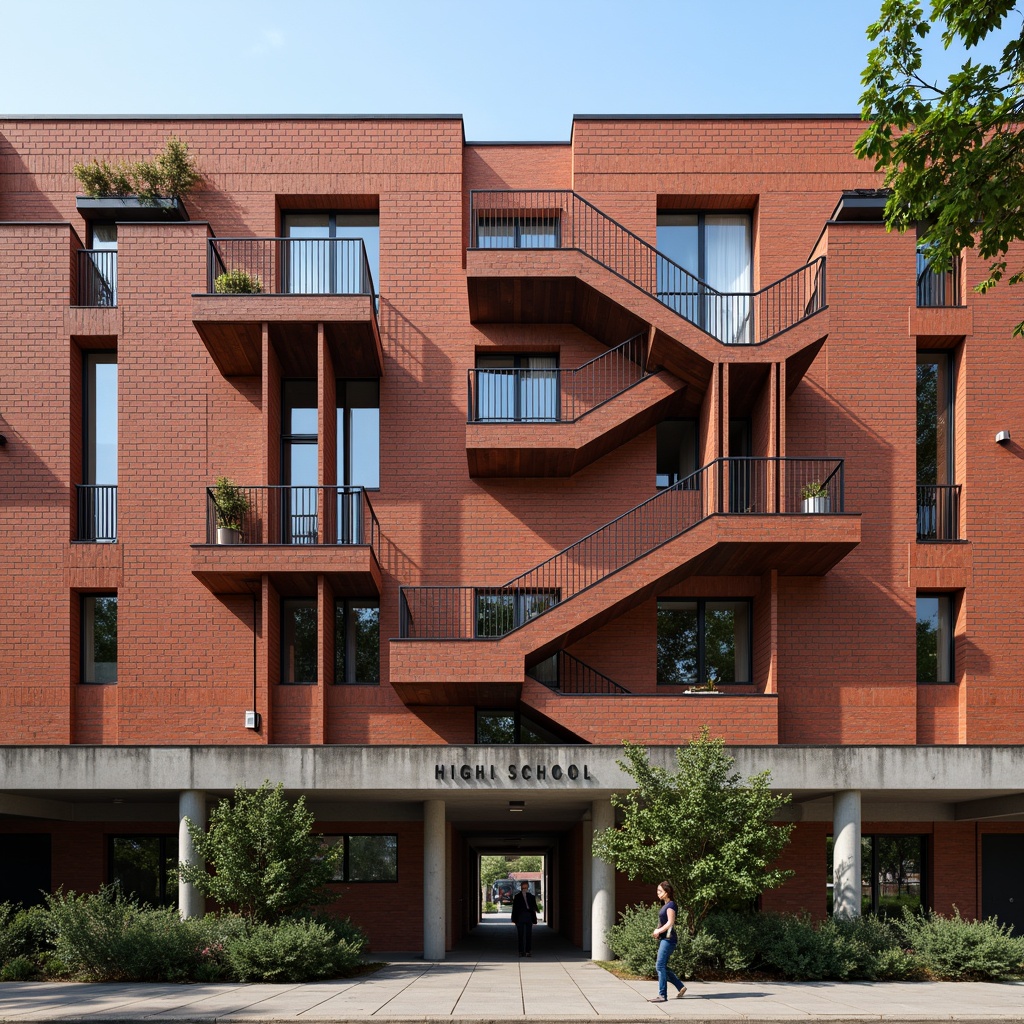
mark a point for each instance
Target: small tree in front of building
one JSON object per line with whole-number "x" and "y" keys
{"x": 702, "y": 828}
{"x": 266, "y": 861}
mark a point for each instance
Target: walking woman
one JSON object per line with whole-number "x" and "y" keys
{"x": 666, "y": 933}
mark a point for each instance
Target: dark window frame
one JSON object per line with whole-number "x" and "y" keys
{"x": 871, "y": 870}
{"x": 543, "y": 735}
{"x": 288, "y": 603}
{"x": 518, "y": 616}
{"x": 346, "y": 604}
{"x": 343, "y": 871}
{"x": 520, "y": 219}
{"x": 952, "y": 598}
{"x": 165, "y": 839}
{"x": 342, "y": 406}
{"x": 701, "y": 603}
{"x": 519, "y": 363}
{"x": 689, "y": 481}
{"x": 332, "y": 232}
{"x": 83, "y": 661}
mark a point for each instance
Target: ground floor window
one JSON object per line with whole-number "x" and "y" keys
{"x": 704, "y": 643}
{"x": 357, "y": 642}
{"x": 366, "y": 858}
{"x": 892, "y": 870}
{"x": 145, "y": 868}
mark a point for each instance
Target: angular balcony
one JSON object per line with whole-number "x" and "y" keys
{"x": 941, "y": 314}
{"x": 565, "y": 674}
{"x": 293, "y": 534}
{"x": 551, "y": 256}
{"x": 938, "y": 512}
{"x": 96, "y": 521}
{"x": 97, "y": 277}
{"x": 292, "y": 285}
{"x": 732, "y": 517}
{"x": 553, "y": 422}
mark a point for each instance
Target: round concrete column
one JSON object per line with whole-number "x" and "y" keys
{"x": 588, "y": 866}
{"x": 846, "y": 884}
{"x": 433, "y": 879}
{"x": 191, "y": 805}
{"x": 602, "y": 904}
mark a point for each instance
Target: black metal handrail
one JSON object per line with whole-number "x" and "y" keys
{"x": 553, "y": 395}
{"x": 288, "y": 266}
{"x": 565, "y": 674}
{"x": 937, "y": 289}
{"x": 561, "y": 219}
{"x": 97, "y": 512}
{"x": 726, "y": 486}
{"x": 938, "y": 511}
{"x": 284, "y": 514}
{"x": 97, "y": 277}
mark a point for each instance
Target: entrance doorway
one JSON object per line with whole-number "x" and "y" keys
{"x": 1002, "y": 888}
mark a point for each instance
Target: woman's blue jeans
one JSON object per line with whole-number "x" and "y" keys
{"x": 665, "y": 974}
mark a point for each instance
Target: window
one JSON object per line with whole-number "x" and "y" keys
{"x": 892, "y": 874}
{"x": 145, "y": 868}
{"x": 298, "y": 641}
{"x": 703, "y": 643}
{"x": 99, "y": 638}
{"x": 517, "y": 388}
{"x": 503, "y": 726}
{"x": 934, "y": 638}
{"x": 357, "y": 642}
{"x": 518, "y": 231}
{"x": 97, "y": 501}
{"x": 499, "y": 612}
{"x": 712, "y": 250}
{"x": 935, "y": 288}
{"x": 299, "y": 454}
{"x": 98, "y": 282}
{"x": 676, "y": 453}
{"x": 359, "y": 433}
{"x": 366, "y": 858}
{"x": 938, "y": 506}
{"x": 324, "y": 254}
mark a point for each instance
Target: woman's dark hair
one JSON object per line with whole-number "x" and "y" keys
{"x": 669, "y": 891}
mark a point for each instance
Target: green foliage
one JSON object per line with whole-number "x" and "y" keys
{"x": 172, "y": 173}
{"x": 24, "y": 933}
{"x": 701, "y": 828}
{"x": 21, "y": 968}
{"x": 231, "y": 504}
{"x": 268, "y": 862}
{"x": 952, "y": 152}
{"x": 952, "y": 949}
{"x": 293, "y": 951}
{"x": 237, "y": 282}
{"x": 814, "y": 489}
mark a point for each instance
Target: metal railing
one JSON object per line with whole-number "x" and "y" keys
{"x": 97, "y": 512}
{"x": 560, "y": 219}
{"x": 938, "y": 511}
{"x": 552, "y": 395}
{"x": 730, "y": 486}
{"x": 565, "y": 674}
{"x": 97, "y": 277}
{"x": 300, "y": 515}
{"x": 288, "y": 266}
{"x": 935, "y": 288}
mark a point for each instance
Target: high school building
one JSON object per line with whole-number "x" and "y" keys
{"x": 418, "y": 474}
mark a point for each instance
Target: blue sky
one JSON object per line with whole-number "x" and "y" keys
{"x": 517, "y": 69}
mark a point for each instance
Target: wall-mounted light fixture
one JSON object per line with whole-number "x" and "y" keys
{"x": 1002, "y": 437}
{"x": 516, "y": 806}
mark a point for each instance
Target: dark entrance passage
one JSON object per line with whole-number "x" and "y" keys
{"x": 24, "y": 868}
{"x": 1002, "y": 880}
{"x": 494, "y": 941}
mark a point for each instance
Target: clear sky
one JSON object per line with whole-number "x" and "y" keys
{"x": 516, "y": 69}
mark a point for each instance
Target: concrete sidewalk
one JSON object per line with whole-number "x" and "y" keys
{"x": 485, "y": 981}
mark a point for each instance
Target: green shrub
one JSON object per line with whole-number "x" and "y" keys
{"x": 172, "y": 173}
{"x": 237, "y": 282}
{"x": 344, "y": 929}
{"x": 290, "y": 951}
{"x": 20, "y": 968}
{"x": 24, "y": 933}
{"x": 952, "y": 949}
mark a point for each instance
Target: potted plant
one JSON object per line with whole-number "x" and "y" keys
{"x": 232, "y": 505}
{"x": 237, "y": 282}
{"x": 816, "y": 498}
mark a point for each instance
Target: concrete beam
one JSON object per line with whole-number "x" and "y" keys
{"x": 1008, "y": 806}
{"x": 36, "y": 807}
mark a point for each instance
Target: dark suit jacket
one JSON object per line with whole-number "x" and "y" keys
{"x": 524, "y": 905}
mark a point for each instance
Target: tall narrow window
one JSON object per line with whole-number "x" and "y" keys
{"x": 324, "y": 254}
{"x": 99, "y": 638}
{"x": 517, "y": 388}
{"x": 934, "y": 638}
{"x": 676, "y": 452}
{"x": 938, "y": 506}
{"x": 98, "y": 280}
{"x": 358, "y": 433}
{"x": 299, "y": 471}
{"x": 707, "y": 271}
{"x": 298, "y": 641}
{"x": 703, "y": 643}
{"x": 357, "y": 642}
{"x": 97, "y": 497}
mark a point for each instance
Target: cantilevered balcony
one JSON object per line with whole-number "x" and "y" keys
{"x": 938, "y": 512}
{"x": 293, "y": 534}
{"x": 553, "y": 422}
{"x": 732, "y": 517}
{"x": 292, "y": 285}
{"x": 553, "y": 257}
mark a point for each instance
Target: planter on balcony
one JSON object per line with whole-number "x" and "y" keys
{"x": 226, "y": 535}
{"x": 125, "y": 208}
{"x": 817, "y": 505}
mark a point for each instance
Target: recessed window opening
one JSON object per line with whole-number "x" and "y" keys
{"x": 505, "y": 726}
{"x": 99, "y": 638}
{"x": 299, "y": 641}
{"x": 934, "y": 638}
{"x": 499, "y": 612}
{"x": 324, "y": 254}
{"x": 677, "y": 455}
{"x": 299, "y": 461}
{"x": 704, "y": 643}
{"x": 145, "y": 868}
{"x": 366, "y": 858}
{"x": 517, "y": 388}
{"x": 357, "y": 641}
{"x": 893, "y": 874}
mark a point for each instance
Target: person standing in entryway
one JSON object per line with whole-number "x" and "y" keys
{"x": 524, "y": 917}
